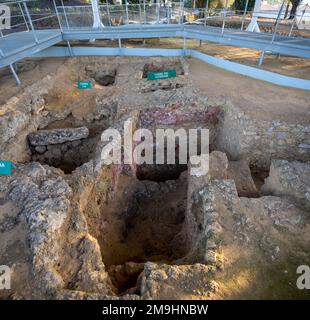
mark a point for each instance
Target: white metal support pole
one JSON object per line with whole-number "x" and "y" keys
{"x": 15, "y": 75}
{"x": 261, "y": 58}
{"x": 295, "y": 20}
{"x": 126, "y": 8}
{"x": 182, "y": 15}
{"x": 69, "y": 47}
{"x": 108, "y": 12}
{"x": 140, "y": 12}
{"x": 30, "y": 22}
{"x": 57, "y": 14}
{"x": 96, "y": 14}
{"x": 120, "y": 46}
{"x": 168, "y": 13}
{"x": 21, "y": 10}
{"x": 157, "y": 11}
{"x": 206, "y": 12}
{"x": 224, "y": 18}
{"x": 277, "y": 21}
{"x": 144, "y": 9}
{"x": 184, "y": 44}
{"x": 292, "y": 26}
{"x": 253, "y": 25}
{"x": 65, "y": 15}
{"x": 244, "y": 14}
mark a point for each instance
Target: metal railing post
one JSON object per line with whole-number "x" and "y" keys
{"x": 21, "y": 10}
{"x": 277, "y": 22}
{"x": 126, "y": 8}
{"x": 69, "y": 47}
{"x": 225, "y": 13}
{"x": 302, "y": 15}
{"x": 108, "y": 12}
{"x": 168, "y": 14}
{"x": 144, "y": 9}
{"x": 140, "y": 12}
{"x": 206, "y": 12}
{"x": 261, "y": 58}
{"x": 120, "y": 46}
{"x": 15, "y": 75}
{"x": 180, "y": 12}
{"x": 57, "y": 14}
{"x": 182, "y": 16}
{"x": 157, "y": 11}
{"x": 30, "y": 22}
{"x": 65, "y": 15}
{"x": 244, "y": 14}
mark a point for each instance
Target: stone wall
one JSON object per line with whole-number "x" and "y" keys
{"x": 259, "y": 141}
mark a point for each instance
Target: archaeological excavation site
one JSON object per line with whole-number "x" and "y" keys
{"x": 154, "y": 151}
{"x": 73, "y": 227}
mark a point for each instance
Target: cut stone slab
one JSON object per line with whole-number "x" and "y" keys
{"x": 240, "y": 172}
{"x": 218, "y": 165}
{"x": 290, "y": 179}
{"x": 57, "y": 136}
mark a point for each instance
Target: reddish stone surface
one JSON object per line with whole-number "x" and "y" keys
{"x": 173, "y": 115}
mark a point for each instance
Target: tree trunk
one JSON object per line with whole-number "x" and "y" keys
{"x": 295, "y": 4}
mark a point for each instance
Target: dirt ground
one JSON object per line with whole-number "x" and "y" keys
{"x": 289, "y": 66}
{"x": 257, "y": 98}
{"x": 29, "y": 71}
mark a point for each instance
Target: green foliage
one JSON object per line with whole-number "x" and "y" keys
{"x": 239, "y": 5}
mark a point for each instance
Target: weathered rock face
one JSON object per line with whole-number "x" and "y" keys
{"x": 203, "y": 225}
{"x": 19, "y": 116}
{"x": 240, "y": 172}
{"x": 55, "y": 230}
{"x": 66, "y": 156}
{"x": 57, "y": 136}
{"x": 290, "y": 179}
{"x": 218, "y": 165}
{"x": 259, "y": 141}
{"x": 161, "y": 281}
{"x": 43, "y": 198}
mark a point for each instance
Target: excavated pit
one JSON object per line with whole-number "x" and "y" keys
{"x": 141, "y": 223}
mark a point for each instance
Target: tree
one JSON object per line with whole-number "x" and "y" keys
{"x": 239, "y": 5}
{"x": 295, "y": 4}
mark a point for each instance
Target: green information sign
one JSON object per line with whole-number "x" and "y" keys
{"x": 5, "y": 167}
{"x": 161, "y": 75}
{"x": 84, "y": 85}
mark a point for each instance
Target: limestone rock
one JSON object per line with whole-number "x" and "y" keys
{"x": 290, "y": 179}
{"x": 56, "y": 136}
{"x": 161, "y": 281}
{"x": 240, "y": 172}
{"x": 218, "y": 165}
